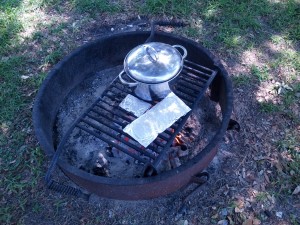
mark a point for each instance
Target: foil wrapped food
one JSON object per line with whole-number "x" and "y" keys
{"x": 146, "y": 128}
{"x": 134, "y": 105}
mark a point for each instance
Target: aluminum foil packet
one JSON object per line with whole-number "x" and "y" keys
{"x": 134, "y": 105}
{"x": 157, "y": 119}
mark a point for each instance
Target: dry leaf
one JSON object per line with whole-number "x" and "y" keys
{"x": 266, "y": 178}
{"x": 256, "y": 222}
{"x": 24, "y": 77}
{"x": 223, "y": 222}
{"x": 215, "y": 216}
{"x": 238, "y": 210}
{"x": 278, "y": 166}
{"x": 248, "y": 222}
{"x": 297, "y": 190}
{"x": 252, "y": 221}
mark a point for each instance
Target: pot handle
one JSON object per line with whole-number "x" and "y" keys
{"x": 183, "y": 49}
{"x": 130, "y": 84}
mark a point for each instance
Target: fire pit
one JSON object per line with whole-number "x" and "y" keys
{"x": 104, "y": 119}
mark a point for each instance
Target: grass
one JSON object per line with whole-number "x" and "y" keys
{"x": 10, "y": 99}
{"x": 262, "y": 74}
{"x": 289, "y": 103}
{"x": 169, "y": 7}
{"x": 290, "y": 151}
{"x": 268, "y": 107}
{"x": 9, "y": 26}
{"x": 241, "y": 79}
{"x": 93, "y": 6}
{"x": 290, "y": 61}
{"x": 262, "y": 196}
{"x": 52, "y": 28}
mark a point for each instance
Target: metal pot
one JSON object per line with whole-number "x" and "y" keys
{"x": 150, "y": 67}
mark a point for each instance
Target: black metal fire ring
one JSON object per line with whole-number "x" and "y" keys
{"x": 104, "y": 53}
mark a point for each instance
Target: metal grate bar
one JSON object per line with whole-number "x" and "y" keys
{"x": 117, "y": 86}
{"x": 185, "y": 98}
{"x": 191, "y": 77}
{"x": 112, "y": 144}
{"x": 184, "y": 89}
{"x": 117, "y": 137}
{"x": 116, "y": 112}
{"x": 192, "y": 83}
{"x": 197, "y": 72}
{"x": 113, "y": 120}
{"x": 196, "y": 65}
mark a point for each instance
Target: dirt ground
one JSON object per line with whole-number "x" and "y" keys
{"x": 244, "y": 185}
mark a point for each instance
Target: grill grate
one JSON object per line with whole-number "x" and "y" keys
{"x": 105, "y": 119}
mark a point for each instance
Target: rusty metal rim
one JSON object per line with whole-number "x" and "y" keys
{"x": 199, "y": 162}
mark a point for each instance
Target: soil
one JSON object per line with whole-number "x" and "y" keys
{"x": 244, "y": 168}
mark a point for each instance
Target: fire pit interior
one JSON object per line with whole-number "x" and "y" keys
{"x": 85, "y": 151}
{"x": 78, "y": 120}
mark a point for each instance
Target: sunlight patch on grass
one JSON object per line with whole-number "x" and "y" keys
{"x": 252, "y": 57}
{"x": 287, "y": 65}
{"x": 33, "y": 17}
{"x": 285, "y": 18}
{"x": 277, "y": 39}
{"x": 212, "y": 10}
{"x": 30, "y": 20}
{"x": 266, "y": 94}
{"x": 279, "y": 97}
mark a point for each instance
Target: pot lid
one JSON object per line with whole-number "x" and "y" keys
{"x": 154, "y": 62}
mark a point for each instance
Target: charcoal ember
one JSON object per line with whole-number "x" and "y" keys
{"x": 164, "y": 165}
{"x": 175, "y": 162}
{"x": 173, "y": 150}
{"x": 188, "y": 129}
{"x": 102, "y": 160}
{"x": 182, "y": 153}
{"x": 99, "y": 170}
{"x": 109, "y": 152}
{"x": 178, "y": 151}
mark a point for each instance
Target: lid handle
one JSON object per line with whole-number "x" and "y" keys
{"x": 152, "y": 53}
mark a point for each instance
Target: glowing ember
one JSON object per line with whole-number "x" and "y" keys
{"x": 177, "y": 140}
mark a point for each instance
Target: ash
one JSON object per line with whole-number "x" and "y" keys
{"x": 197, "y": 132}
{"x": 94, "y": 156}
